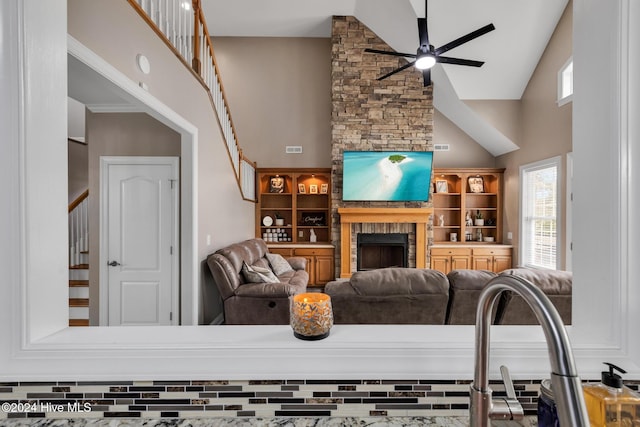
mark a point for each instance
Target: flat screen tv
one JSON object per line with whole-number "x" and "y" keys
{"x": 396, "y": 176}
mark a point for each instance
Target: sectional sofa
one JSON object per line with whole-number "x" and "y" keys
{"x": 383, "y": 296}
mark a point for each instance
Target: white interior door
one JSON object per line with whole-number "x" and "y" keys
{"x": 140, "y": 250}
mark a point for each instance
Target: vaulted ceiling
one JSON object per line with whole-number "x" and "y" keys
{"x": 511, "y": 52}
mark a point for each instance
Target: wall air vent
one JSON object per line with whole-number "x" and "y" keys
{"x": 293, "y": 149}
{"x": 441, "y": 147}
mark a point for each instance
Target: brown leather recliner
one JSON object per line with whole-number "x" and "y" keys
{"x": 255, "y": 303}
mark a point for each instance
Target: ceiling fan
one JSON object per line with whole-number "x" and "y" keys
{"x": 426, "y": 56}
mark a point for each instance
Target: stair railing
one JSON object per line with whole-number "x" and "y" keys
{"x": 182, "y": 26}
{"x": 78, "y": 229}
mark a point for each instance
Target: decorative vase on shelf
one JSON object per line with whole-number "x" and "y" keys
{"x": 312, "y": 236}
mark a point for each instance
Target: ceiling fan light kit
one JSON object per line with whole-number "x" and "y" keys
{"x": 425, "y": 62}
{"x": 426, "y": 56}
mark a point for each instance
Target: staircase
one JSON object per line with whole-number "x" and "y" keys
{"x": 79, "y": 261}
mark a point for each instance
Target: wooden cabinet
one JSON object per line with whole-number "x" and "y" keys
{"x": 461, "y": 193}
{"x": 447, "y": 259}
{"x": 320, "y": 261}
{"x": 320, "y": 264}
{"x": 453, "y": 257}
{"x": 493, "y": 259}
{"x": 301, "y": 198}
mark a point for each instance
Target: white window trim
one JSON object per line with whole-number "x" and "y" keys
{"x": 562, "y": 100}
{"x": 530, "y": 167}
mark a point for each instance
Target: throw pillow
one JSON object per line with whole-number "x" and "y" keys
{"x": 254, "y": 274}
{"x": 278, "y": 264}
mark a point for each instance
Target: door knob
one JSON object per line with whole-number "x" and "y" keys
{"x": 113, "y": 263}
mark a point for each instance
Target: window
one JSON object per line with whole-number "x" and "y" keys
{"x": 565, "y": 83}
{"x": 539, "y": 214}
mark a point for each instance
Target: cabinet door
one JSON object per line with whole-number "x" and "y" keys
{"x": 483, "y": 262}
{"x": 460, "y": 262}
{"x": 324, "y": 269}
{"x": 310, "y": 268}
{"x": 440, "y": 263}
{"x": 501, "y": 263}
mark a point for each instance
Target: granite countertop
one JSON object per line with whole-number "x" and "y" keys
{"x": 435, "y": 421}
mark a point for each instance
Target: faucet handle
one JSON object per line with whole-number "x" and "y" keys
{"x": 509, "y": 408}
{"x": 508, "y": 384}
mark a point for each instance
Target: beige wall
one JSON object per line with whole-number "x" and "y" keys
{"x": 546, "y": 127}
{"x": 464, "y": 152}
{"x": 118, "y": 134}
{"x": 287, "y": 101}
{"x": 279, "y": 91}
{"x": 503, "y": 114}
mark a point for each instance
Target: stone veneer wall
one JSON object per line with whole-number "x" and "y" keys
{"x": 370, "y": 115}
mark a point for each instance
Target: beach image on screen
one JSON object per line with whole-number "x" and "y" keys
{"x": 386, "y": 175}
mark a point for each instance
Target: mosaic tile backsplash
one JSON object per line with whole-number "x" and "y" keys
{"x": 198, "y": 399}
{"x": 378, "y": 399}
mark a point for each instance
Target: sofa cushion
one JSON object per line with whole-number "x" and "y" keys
{"x": 399, "y": 281}
{"x": 469, "y": 280}
{"x": 279, "y": 265}
{"x": 464, "y": 294}
{"x": 552, "y": 282}
{"x": 257, "y": 274}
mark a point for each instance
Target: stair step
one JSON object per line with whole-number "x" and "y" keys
{"x": 78, "y": 283}
{"x": 78, "y": 302}
{"x": 78, "y": 322}
{"x": 79, "y": 267}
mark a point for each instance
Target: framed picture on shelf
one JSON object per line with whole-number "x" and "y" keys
{"x": 441, "y": 186}
{"x": 476, "y": 184}
{"x": 302, "y": 189}
{"x": 324, "y": 188}
{"x": 313, "y": 218}
{"x": 313, "y": 189}
{"x": 276, "y": 184}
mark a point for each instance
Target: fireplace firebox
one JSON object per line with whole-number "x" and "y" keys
{"x": 381, "y": 250}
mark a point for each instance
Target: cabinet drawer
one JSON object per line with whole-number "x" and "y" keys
{"x": 285, "y": 252}
{"x": 450, "y": 251}
{"x": 491, "y": 251}
{"x": 313, "y": 251}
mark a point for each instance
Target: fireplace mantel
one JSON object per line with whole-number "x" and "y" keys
{"x": 418, "y": 216}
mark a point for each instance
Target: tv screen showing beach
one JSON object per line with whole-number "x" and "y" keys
{"x": 386, "y": 175}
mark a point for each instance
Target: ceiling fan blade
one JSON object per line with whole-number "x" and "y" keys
{"x": 458, "y": 61}
{"x": 426, "y": 76}
{"x": 397, "y": 70}
{"x": 385, "y": 52}
{"x": 464, "y": 39}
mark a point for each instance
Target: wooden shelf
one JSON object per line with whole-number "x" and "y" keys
{"x": 459, "y": 200}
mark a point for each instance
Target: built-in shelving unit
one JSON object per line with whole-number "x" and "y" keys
{"x": 459, "y": 196}
{"x": 301, "y": 197}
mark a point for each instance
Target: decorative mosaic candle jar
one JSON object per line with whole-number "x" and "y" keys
{"x": 311, "y": 316}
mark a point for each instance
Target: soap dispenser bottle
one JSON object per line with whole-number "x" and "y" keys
{"x": 610, "y": 403}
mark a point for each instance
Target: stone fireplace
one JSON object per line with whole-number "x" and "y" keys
{"x": 371, "y": 115}
{"x": 412, "y": 222}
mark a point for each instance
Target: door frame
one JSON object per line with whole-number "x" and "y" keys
{"x": 105, "y": 162}
{"x": 189, "y": 264}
